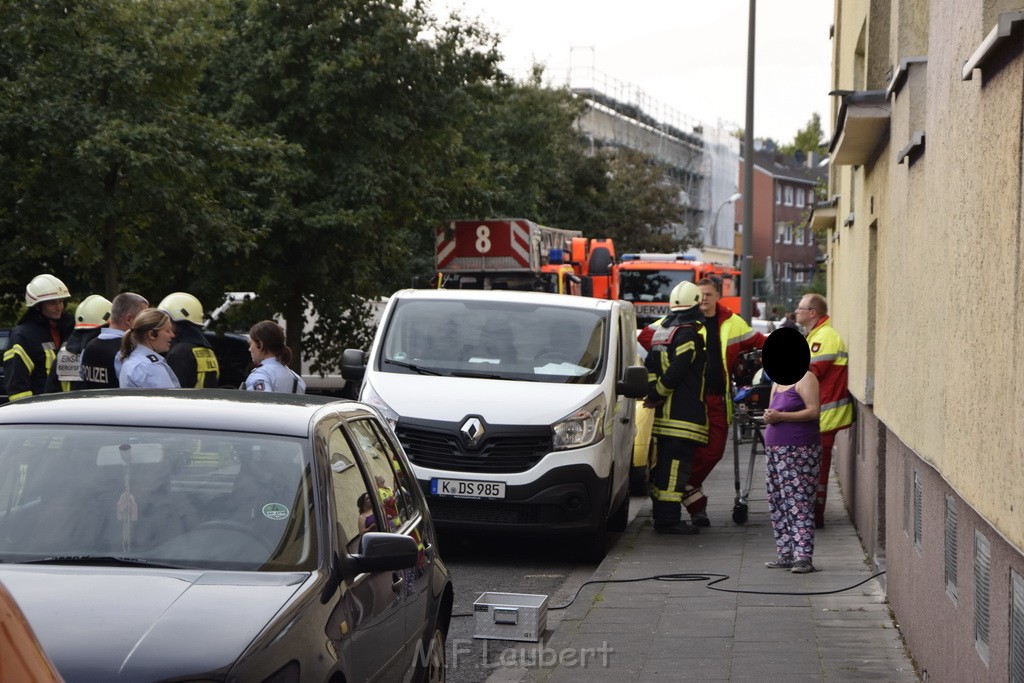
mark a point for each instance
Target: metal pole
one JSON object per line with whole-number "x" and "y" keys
{"x": 746, "y": 266}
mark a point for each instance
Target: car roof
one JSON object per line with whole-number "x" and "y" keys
{"x": 219, "y": 409}
{"x": 505, "y": 296}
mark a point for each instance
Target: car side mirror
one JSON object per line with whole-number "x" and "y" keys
{"x": 353, "y": 365}
{"x": 633, "y": 383}
{"x": 381, "y": 552}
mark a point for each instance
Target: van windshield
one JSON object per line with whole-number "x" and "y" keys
{"x": 496, "y": 340}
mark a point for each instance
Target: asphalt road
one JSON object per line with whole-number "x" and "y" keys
{"x": 483, "y": 563}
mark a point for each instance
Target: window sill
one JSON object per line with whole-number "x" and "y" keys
{"x": 1009, "y": 23}
{"x": 913, "y": 149}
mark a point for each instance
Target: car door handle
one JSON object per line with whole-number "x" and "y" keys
{"x": 396, "y": 584}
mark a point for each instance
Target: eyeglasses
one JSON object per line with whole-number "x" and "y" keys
{"x": 804, "y": 308}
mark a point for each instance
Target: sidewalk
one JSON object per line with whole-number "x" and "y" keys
{"x": 675, "y": 630}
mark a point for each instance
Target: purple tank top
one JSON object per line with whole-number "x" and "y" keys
{"x": 804, "y": 433}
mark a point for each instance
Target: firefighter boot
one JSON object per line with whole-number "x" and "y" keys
{"x": 667, "y": 517}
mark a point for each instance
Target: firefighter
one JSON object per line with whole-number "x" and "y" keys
{"x": 191, "y": 355}
{"x": 101, "y": 358}
{"x": 38, "y": 335}
{"x": 91, "y": 317}
{"x": 676, "y": 372}
{"x": 726, "y": 336}
{"x": 828, "y": 363}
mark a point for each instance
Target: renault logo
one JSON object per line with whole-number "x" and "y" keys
{"x": 472, "y": 431}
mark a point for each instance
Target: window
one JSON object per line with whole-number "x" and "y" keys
{"x": 798, "y": 235}
{"x": 356, "y": 508}
{"x": 788, "y": 196}
{"x": 799, "y": 196}
{"x": 391, "y": 481}
{"x": 780, "y": 232}
{"x": 787, "y": 237}
{"x": 787, "y": 271}
{"x": 778, "y": 194}
{"x": 799, "y": 275}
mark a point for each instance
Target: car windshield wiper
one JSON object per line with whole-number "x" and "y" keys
{"x": 489, "y": 375}
{"x": 413, "y": 367}
{"x": 101, "y": 559}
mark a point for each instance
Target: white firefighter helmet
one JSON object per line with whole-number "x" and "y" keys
{"x": 183, "y": 306}
{"x": 45, "y": 287}
{"x": 93, "y": 312}
{"x": 684, "y": 296}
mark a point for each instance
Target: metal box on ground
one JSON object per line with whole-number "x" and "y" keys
{"x": 510, "y": 616}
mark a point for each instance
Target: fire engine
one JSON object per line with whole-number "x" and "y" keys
{"x": 646, "y": 280}
{"x": 519, "y": 254}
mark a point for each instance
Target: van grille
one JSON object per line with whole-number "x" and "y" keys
{"x": 503, "y": 449}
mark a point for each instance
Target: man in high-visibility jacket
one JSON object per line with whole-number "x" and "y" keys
{"x": 675, "y": 367}
{"x": 829, "y": 364}
{"x": 726, "y": 336}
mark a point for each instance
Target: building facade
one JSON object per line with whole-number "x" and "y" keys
{"x": 925, "y": 249}
{"x": 784, "y": 251}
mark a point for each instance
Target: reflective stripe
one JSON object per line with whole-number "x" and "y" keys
{"x": 742, "y": 338}
{"x": 15, "y": 397}
{"x": 19, "y": 351}
{"x": 673, "y": 476}
{"x": 666, "y": 496}
{"x": 836, "y": 404}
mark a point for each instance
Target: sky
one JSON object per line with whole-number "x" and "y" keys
{"x": 684, "y": 60}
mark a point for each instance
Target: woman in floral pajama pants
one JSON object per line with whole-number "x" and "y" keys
{"x": 792, "y": 460}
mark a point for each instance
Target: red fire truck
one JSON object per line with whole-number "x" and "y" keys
{"x": 647, "y": 280}
{"x": 517, "y": 253}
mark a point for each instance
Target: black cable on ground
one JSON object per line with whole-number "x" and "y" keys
{"x": 712, "y": 579}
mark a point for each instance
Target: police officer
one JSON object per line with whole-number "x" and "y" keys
{"x": 36, "y": 338}
{"x": 676, "y": 368}
{"x": 91, "y": 317}
{"x": 142, "y": 366}
{"x": 191, "y": 355}
{"x": 101, "y": 358}
{"x": 271, "y": 358}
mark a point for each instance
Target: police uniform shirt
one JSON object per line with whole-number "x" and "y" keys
{"x": 271, "y": 375}
{"x": 101, "y": 360}
{"x": 144, "y": 368}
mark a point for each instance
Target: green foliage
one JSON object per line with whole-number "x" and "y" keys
{"x": 808, "y": 139}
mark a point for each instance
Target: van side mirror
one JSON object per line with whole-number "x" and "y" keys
{"x": 353, "y": 365}
{"x": 633, "y": 383}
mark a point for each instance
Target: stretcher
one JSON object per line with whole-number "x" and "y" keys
{"x": 749, "y": 404}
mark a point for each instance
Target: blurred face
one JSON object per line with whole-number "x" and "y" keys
{"x": 52, "y": 309}
{"x": 708, "y": 300}
{"x": 805, "y": 315}
{"x": 160, "y": 338}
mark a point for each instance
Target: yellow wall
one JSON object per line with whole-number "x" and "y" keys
{"x": 937, "y": 350}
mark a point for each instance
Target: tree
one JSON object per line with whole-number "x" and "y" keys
{"x": 377, "y": 96}
{"x": 111, "y": 178}
{"x": 808, "y": 139}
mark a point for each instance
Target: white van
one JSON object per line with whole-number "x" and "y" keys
{"x": 515, "y": 408}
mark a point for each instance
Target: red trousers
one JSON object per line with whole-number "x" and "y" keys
{"x": 707, "y": 456}
{"x": 828, "y": 440}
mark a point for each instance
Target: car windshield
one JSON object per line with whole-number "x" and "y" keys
{"x": 179, "y": 498}
{"x": 492, "y": 339}
{"x": 650, "y": 285}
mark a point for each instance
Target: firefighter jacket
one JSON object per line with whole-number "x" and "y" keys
{"x": 192, "y": 358}
{"x": 65, "y": 373}
{"x": 736, "y": 337}
{"x": 675, "y": 372}
{"x": 34, "y": 344}
{"x": 101, "y": 361}
{"x": 828, "y": 363}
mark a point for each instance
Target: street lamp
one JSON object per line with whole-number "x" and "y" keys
{"x": 714, "y": 220}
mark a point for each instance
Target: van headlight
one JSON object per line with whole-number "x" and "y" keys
{"x": 371, "y": 397}
{"x": 582, "y": 428}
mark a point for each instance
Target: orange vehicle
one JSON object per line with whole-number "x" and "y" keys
{"x": 646, "y": 280}
{"x": 21, "y": 656}
{"x": 520, "y": 254}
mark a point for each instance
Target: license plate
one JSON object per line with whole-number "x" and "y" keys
{"x": 460, "y": 488}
